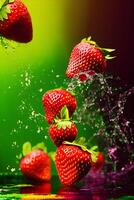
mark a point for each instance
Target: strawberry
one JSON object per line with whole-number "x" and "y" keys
{"x": 72, "y": 163}
{"x": 63, "y": 131}
{"x": 96, "y": 166}
{"x": 15, "y": 21}
{"x": 87, "y": 56}
{"x": 36, "y": 164}
{"x": 55, "y": 100}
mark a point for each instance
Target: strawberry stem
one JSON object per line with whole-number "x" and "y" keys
{"x": 64, "y": 115}
{"x": 88, "y": 40}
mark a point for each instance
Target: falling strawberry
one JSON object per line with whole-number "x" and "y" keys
{"x": 55, "y": 100}
{"x": 63, "y": 129}
{"x": 36, "y": 164}
{"x": 15, "y": 21}
{"x": 72, "y": 163}
{"x": 87, "y": 56}
{"x": 74, "y": 160}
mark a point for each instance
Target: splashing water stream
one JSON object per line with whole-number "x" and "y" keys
{"x": 102, "y": 108}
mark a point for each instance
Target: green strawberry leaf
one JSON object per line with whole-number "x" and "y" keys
{"x": 5, "y": 2}
{"x": 81, "y": 141}
{"x": 72, "y": 93}
{"x": 94, "y": 156}
{"x": 52, "y": 155}
{"x": 19, "y": 156}
{"x": 26, "y": 148}
{"x": 64, "y": 113}
{"x": 41, "y": 146}
{"x": 94, "y": 148}
{"x": 4, "y": 9}
{"x": 11, "y": 1}
{"x": 108, "y": 57}
{"x": 107, "y": 50}
{"x": 64, "y": 124}
{"x": 2, "y": 2}
{"x": 56, "y": 119}
{"x": 92, "y": 151}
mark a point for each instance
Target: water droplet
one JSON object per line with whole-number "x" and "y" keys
{"x": 13, "y": 169}
{"x": 40, "y": 90}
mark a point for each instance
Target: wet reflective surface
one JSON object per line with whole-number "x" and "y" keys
{"x": 96, "y": 188}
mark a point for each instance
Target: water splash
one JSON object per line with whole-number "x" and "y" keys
{"x": 103, "y": 100}
{"x": 8, "y": 44}
{"x": 29, "y": 116}
{"x": 30, "y": 119}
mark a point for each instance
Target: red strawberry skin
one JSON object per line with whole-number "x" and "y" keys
{"x": 85, "y": 57}
{"x": 96, "y": 166}
{"x": 36, "y": 165}
{"x": 72, "y": 164}
{"x": 59, "y": 135}
{"x": 55, "y": 100}
{"x": 18, "y": 26}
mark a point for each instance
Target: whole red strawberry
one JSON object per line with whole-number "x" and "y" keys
{"x": 15, "y": 21}
{"x": 36, "y": 165}
{"x": 87, "y": 56}
{"x": 63, "y": 131}
{"x": 72, "y": 163}
{"x": 55, "y": 100}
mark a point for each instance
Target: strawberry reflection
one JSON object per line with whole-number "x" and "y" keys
{"x": 43, "y": 188}
{"x": 97, "y": 193}
{"x": 73, "y": 193}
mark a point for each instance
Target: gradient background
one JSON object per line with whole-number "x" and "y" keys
{"x": 58, "y": 26}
